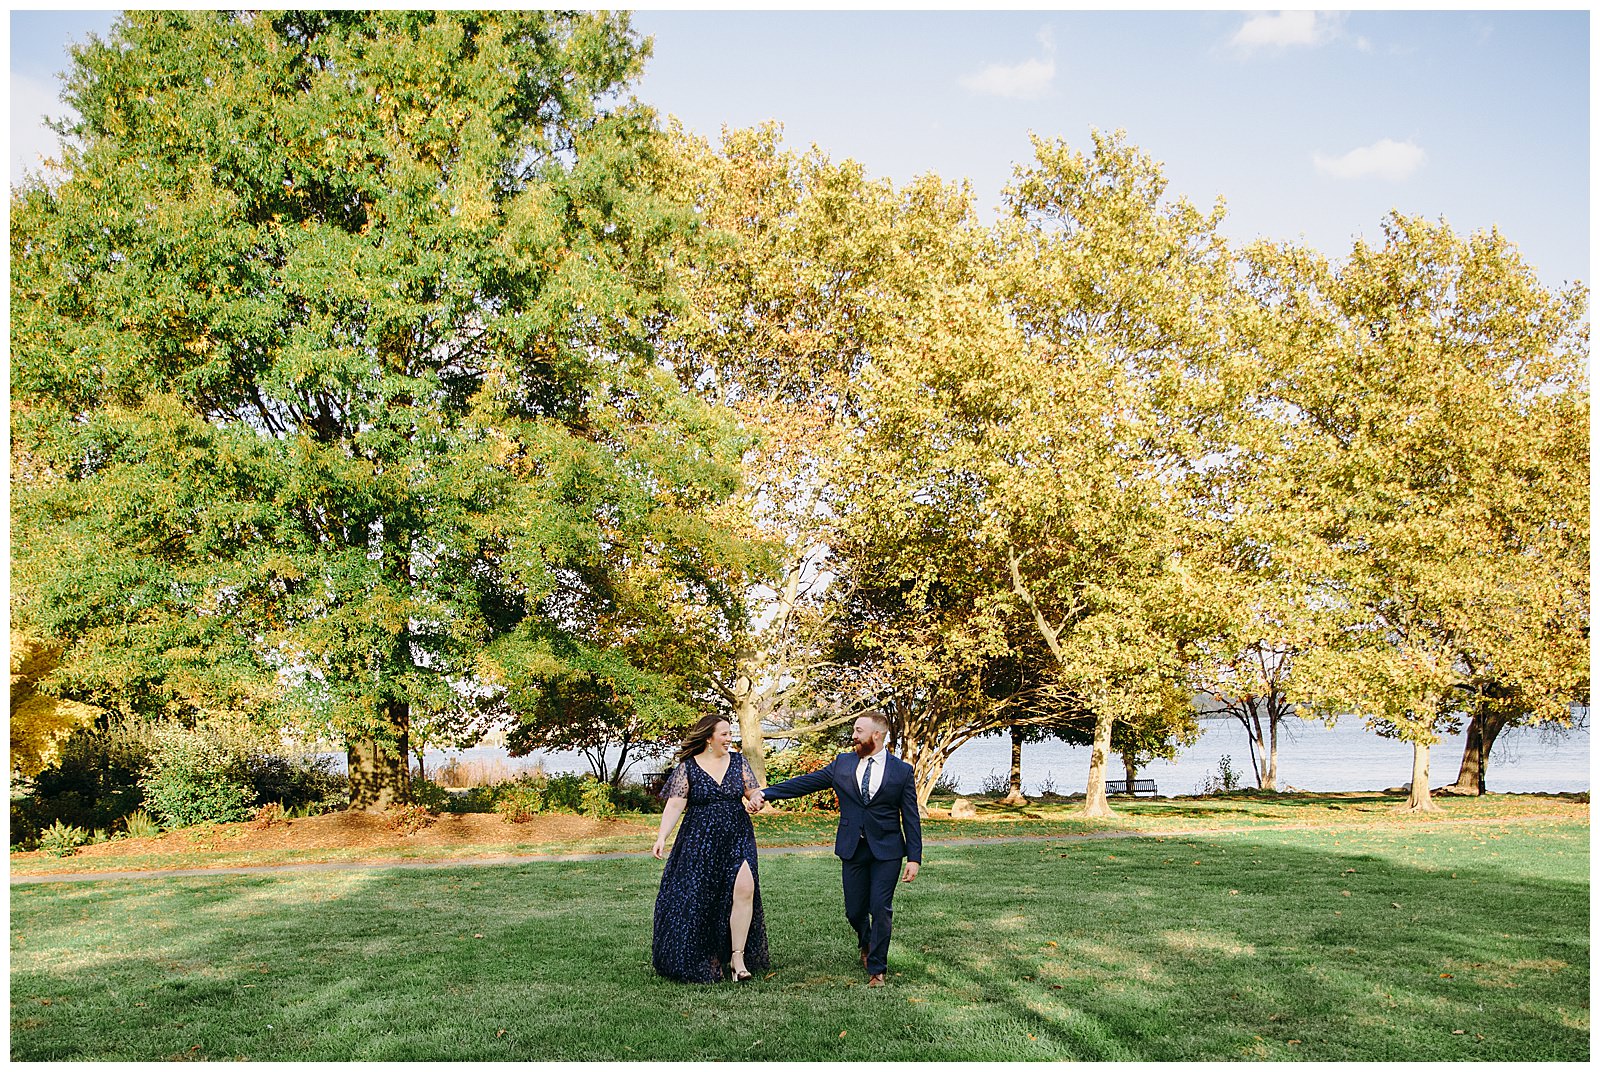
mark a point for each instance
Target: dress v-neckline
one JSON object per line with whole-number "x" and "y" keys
{"x": 713, "y": 777}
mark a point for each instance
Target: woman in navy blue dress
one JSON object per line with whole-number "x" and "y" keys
{"x": 708, "y": 923}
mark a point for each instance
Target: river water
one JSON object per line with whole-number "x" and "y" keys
{"x": 1311, "y": 755}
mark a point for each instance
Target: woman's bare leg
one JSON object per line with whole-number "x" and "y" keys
{"x": 744, "y": 898}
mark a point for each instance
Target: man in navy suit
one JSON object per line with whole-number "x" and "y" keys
{"x": 878, "y": 827}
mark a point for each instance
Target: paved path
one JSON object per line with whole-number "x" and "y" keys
{"x": 775, "y": 850}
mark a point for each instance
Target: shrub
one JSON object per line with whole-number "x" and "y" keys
{"x": 409, "y": 818}
{"x": 430, "y": 795}
{"x": 634, "y": 796}
{"x": 799, "y": 759}
{"x": 94, "y": 781}
{"x": 595, "y": 800}
{"x": 193, "y": 779}
{"x": 59, "y": 839}
{"x": 1226, "y": 780}
{"x": 306, "y": 811}
{"x": 477, "y": 798}
{"x": 294, "y": 783}
{"x": 564, "y": 792}
{"x": 140, "y": 825}
{"x": 519, "y": 801}
{"x": 995, "y": 785}
{"x": 947, "y": 785}
{"x": 269, "y": 815}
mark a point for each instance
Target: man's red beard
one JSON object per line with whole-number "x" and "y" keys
{"x": 864, "y": 748}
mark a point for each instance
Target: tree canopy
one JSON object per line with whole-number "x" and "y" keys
{"x": 334, "y": 352}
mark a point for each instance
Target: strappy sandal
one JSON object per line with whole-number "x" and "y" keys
{"x": 738, "y": 976}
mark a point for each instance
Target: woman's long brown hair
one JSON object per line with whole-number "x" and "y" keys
{"x": 694, "y": 742}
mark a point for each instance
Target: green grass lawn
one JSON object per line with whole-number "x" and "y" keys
{"x": 1403, "y": 942}
{"x": 220, "y": 845}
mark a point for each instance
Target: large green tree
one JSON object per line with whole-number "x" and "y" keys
{"x": 332, "y": 353}
{"x": 1111, "y": 388}
{"x": 1437, "y": 432}
{"x": 810, "y": 271}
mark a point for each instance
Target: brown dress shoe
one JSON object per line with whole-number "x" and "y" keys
{"x": 876, "y": 980}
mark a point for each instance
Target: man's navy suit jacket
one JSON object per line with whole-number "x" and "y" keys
{"x": 889, "y": 819}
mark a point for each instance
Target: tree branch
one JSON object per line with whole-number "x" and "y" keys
{"x": 1051, "y": 636}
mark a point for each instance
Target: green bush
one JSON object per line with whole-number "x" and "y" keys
{"x": 564, "y": 792}
{"x": 799, "y": 759}
{"x": 442, "y": 800}
{"x": 1226, "y": 780}
{"x": 141, "y": 825}
{"x": 995, "y": 785}
{"x": 477, "y": 798}
{"x": 431, "y": 796}
{"x": 295, "y": 783}
{"x": 634, "y": 796}
{"x": 519, "y": 801}
{"x": 94, "y": 781}
{"x": 193, "y": 779}
{"x": 595, "y": 800}
{"x": 98, "y": 780}
{"x": 59, "y": 839}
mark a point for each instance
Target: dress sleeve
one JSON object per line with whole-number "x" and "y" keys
{"x": 748, "y": 772}
{"x": 677, "y": 782}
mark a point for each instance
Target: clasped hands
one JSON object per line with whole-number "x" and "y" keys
{"x": 754, "y": 802}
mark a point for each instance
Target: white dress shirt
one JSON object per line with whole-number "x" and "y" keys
{"x": 880, "y": 760}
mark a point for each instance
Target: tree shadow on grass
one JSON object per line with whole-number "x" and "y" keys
{"x": 1198, "y": 948}
{"x": 1325, "y": 946}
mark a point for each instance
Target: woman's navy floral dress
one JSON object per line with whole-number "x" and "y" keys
{"x": 692, "y": 941}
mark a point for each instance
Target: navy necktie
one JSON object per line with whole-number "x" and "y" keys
{"x": 866, "y": 780}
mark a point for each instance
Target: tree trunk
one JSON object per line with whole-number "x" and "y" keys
{"x": 1258, "y": 747}
{"x": 1420, "y": 799}
{"x": 1481, "y": 734}
{"x": 927, "y": 764}
{"x": 924, "y": 778}
{"x": 380, "y": 775}
{"x": 1270, "y": 782}
{"x": 1130, "y": 769}
{"x": 747, "y": 713}
{"x": 1015, "y": 796}
{"x": 1094, "y": 799}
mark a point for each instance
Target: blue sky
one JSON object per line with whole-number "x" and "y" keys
{"x": 1310, "y": 125}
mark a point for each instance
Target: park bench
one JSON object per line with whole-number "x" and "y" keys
{"x": 1131, "y": 786}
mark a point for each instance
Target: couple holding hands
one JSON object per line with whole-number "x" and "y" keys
{"x": 708, "y": 921}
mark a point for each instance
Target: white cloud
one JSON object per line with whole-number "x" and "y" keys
{"x": 1383, "y": 159}
{"x": 1286, "y": 29}
{"x": 31, "y": 140}
{"x": 1028, "y": 80}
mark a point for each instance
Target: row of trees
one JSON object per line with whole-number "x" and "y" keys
{"x": 386, "y": 375}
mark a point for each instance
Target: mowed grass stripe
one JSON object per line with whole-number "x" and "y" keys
{"x": 1330, "y": 944}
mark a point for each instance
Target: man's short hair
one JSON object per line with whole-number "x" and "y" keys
{"x": 881, "y": 721}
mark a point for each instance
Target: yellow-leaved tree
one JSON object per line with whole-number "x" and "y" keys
{"x": 1440, "y": 458}
{"x": 40, "y": 721}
